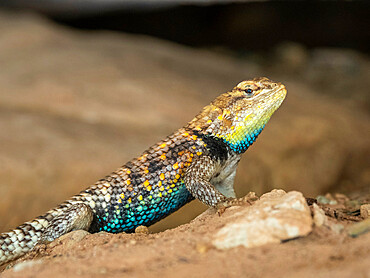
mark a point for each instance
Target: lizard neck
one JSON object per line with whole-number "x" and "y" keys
{"x": 242, "y": 137}
{"x": 237, "y": 136}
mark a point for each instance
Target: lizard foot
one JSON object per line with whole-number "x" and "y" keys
{"x": 249, "y": 199}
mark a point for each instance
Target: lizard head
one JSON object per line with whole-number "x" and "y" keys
{"x": 238, "y": 117}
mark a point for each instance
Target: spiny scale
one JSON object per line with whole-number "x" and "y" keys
{"x": 197, "y": 161}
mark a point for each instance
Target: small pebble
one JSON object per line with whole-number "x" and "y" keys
{"x": 365, "y": 211}
{"x": 325, "y": 201}
{"x": 142, "y": 230}
{"x": 202, "y": 247}
{"x": 319, "y": 217}
{"x": 341, "y": 197}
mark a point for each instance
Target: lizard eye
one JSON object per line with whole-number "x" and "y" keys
{"x": 249, "y": 92}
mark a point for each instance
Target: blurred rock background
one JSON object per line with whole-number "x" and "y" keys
{"x": 87, "y": 85}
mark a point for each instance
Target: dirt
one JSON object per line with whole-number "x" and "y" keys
{"x": 187, "y": 251}
{"x": 74, "y": 106}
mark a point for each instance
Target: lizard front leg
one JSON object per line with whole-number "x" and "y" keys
{"x": 197, "y": 181}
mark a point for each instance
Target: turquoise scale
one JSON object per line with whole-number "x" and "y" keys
{"x": 144, "y": 212}
{"x": 244, "y": 144}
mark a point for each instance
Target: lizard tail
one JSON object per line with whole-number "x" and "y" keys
{"x": 22, "y": 239}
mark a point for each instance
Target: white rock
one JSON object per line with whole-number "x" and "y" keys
{"x": 26, "y": 264}
{"x": 275, "y": 217}
{"x": 319, "y": 217}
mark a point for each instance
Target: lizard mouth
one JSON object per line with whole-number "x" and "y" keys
{"x": 281, "y": 91}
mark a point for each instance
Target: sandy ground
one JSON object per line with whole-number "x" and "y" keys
{"x": 74, "y": 106}
{"x": 186, "y": 251}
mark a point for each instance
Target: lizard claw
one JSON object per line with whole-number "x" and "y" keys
{"x": 221, "y": 209}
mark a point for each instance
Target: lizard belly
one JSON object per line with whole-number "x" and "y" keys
{"x": 125, "y": 217}
{"x": 223, "y": 181}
